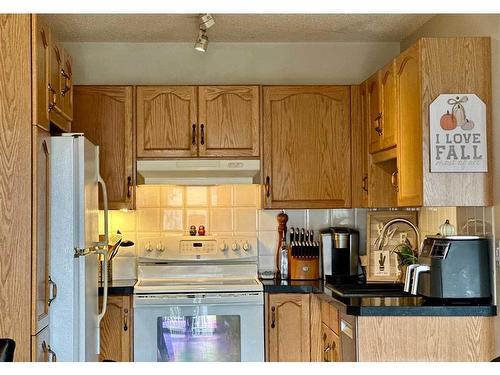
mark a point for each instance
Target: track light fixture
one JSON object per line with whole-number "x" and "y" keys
{"x": 202, "y": 41}
{"x": 206, "y": 22}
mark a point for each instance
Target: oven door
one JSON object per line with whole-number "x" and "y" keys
{"x": 202, "y": 327}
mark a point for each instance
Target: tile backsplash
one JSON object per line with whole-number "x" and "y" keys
{"x": 224, "y": 210}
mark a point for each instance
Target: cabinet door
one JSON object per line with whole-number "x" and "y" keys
{"x": 330, "y": 344}
{"x": 40, "y": 347}
{"x": 229, "y": 121}
{"x": 40, "y": 61}
{"x": 359, "y": 130}
{"x": 388, "y": 97}
{"x": 67, "y": 85}
{"x": 41, "y": 220}
{"x": 307, "y": 146}
{"x": 56, "y": 101}
{"x": 374, "y": 112}
{"x": 167, "y": 121}
{"x": 288, "y": 327}
{"x": 116, "y": 330}
{"x": 410, "y": 170}
{"x": 105, "y": 115}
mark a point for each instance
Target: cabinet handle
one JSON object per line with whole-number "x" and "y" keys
{"x": 378, "y": 128}
{"x": 202, "y": 134}
{"x": 273, "y": 317}
{"x": 327, "y": 349}
{"x": 125, "y": 320}
{"x": 129, "y": 187}
{"x": 193, "y": 139}
{"x": 53, "y": 356}
{"x": 45, "y": 350}
{"x": 44, "y": 38}
{"x": 67, "y": 86}
{"x": 364, "y": 185}
{"x": 394, "y": 181}
{"x": 268, "y": 186}
{"x": 53, "y": 286}
{"x": 52, "y": 104}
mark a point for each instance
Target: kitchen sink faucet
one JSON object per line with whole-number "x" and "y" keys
{"x": 380, "y": 238}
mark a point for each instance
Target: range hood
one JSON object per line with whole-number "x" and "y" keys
{"x": 198, "y": 172}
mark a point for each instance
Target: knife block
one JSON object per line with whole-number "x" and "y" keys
{"x": 303, "y": 268}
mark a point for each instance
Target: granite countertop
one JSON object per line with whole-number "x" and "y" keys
{"x": 119, "y": 287}
{"x": 380, "y": 306}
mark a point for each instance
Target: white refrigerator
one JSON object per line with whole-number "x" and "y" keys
{"x": 75, "y": 250}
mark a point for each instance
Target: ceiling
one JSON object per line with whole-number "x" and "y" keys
{"x": 144, "y": 28}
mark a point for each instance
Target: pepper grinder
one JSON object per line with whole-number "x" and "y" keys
{"x": 282, "y": 219}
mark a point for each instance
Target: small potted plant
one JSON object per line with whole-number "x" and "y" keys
{"x": 406, "y": 256}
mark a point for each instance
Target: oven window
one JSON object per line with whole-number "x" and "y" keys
{"x": 200, "y": 338}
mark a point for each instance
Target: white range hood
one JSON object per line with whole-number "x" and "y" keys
{"x": 198, "y": 172}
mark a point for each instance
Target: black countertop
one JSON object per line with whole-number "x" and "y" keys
{"x": 119, "y": 287}
{"x": 381, "y": 306}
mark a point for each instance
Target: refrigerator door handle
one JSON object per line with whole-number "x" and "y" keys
{"x": 104, "y": 268}
{"x": 105, "y": 204}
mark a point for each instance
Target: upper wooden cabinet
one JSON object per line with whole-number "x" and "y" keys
{"x": 40, "y": 52}
{"x": 52, "y": 75}
{"x": 228, "y": 120}
{"x": 306, "y": 146}
{"x": 373, "y": 112}
{"x": 166, "y": 121}
{"x": 191, "y": 121}
{"x": 288, "y": 327}
{"x": 401, "y": 176}
{"x": 105, "y": 115}
{"x": 359, "y": 145}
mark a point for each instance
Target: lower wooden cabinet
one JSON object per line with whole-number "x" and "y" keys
{"x": 330, "y": 345}
{"x": 117, "y": 330}
{"x": 288, "y": 328}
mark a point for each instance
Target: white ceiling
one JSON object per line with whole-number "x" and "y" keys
{"x": 236, "y": 27}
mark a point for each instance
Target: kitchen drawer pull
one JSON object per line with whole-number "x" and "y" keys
{"x": 267, "y": 186}
{"x": 378, "y": 128}
{"x": 364, "y": 185}
{"x": 394, "y": 181}
{"x": 273, "y": 317}
{"x": 202, "y": 134}
{"x": 125, "y": 320}
{"x": 129, "y": 187}
{"x": 53, "y": 287}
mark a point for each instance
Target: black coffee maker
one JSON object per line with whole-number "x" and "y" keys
{"x": 340, "y": 255}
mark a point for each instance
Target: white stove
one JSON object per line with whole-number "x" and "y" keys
{"x": 198, "y": 299}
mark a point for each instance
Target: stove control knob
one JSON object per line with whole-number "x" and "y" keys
{"x": 246, "y": 246}
{"x": 159, "y": 247}
{"x": 222, "y": 246}
{"x": 235, "y": 246}
{"x": 148, "y": 248}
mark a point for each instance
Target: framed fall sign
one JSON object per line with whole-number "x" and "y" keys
{"x": 458, "y": 134}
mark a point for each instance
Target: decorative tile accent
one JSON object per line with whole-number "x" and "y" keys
{"x": 196, "y": 196}
{"x": 148, "y": 196}
{"x": 245, "y": 195}
{"x": 173, "y": 219}
{"x": 172, "y": 196}
{"x": 221, "y": 196}
{"x": 245, "y": 220}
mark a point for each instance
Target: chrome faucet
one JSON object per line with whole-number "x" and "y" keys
{"x": 380, "y": 238}
{"x": 413, "y": 270}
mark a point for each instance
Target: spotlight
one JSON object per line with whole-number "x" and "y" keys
{"x": 206, "y": 21}
{"x": 202, "y": 41}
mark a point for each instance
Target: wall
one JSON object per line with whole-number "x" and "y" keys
{"x": 224, "y": 210}
{"x": 228, "y": 63}
{"x": 476, "y": 25}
